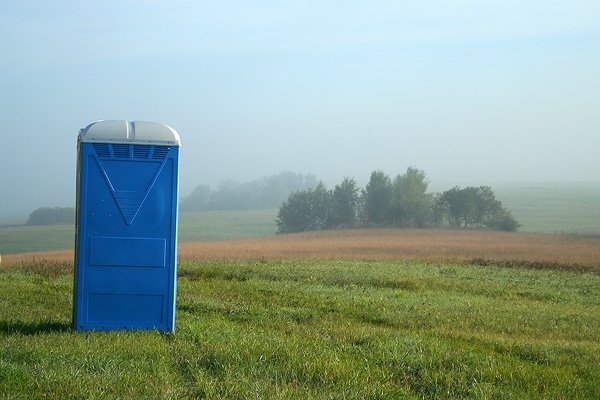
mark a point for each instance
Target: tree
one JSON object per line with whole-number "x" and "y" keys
{"x": 306, "y": 210}
{"x": 486, "y": 206}
{"x": 266, "y": 192}
{"x": 458, "y": 206}
{"x": 475, "y": 207}
{"x": 344, "y": 203}
{"x": 404, "y": 202}
{"x": 227, "y": 196}
{"x": 504, "y": 221}
{"x": 361, "y": 209}
{"x": 437, "y": 210}
{"x": 410, "y": 204}
{"x": 378, "y": 195}
{"x": 52, "y": 216}
{"x": 276, "y": 188}
{"x": 198, "y": 200}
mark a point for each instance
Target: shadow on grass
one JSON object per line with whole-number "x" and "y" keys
{"x": 32, "y": 328}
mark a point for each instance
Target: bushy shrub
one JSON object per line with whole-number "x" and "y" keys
{"x": 503, "y": 221}
{"x": 307, "y": 210}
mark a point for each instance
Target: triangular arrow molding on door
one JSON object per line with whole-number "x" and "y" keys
{"x": 130, "y": 192}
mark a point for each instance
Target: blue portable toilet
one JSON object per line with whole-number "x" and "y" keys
{"x": 126, "y": 226}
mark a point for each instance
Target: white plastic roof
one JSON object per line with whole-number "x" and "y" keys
{"x": 121, "y": 131}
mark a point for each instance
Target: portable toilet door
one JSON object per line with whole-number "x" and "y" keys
{"x": 126, "y": 226}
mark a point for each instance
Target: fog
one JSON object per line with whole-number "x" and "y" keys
{"x": 481, "y": 93}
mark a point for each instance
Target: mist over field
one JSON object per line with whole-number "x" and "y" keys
{"x": 495, "y": 93}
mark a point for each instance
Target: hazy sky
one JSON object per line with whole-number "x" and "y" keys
{"x": 473, "y": 92}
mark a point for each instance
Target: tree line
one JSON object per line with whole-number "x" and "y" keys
{"x": 262, "y": 193}
{"x": 266, "y": 192}
{"x": 51, "y": 216}
{"x": 385, "y": 202}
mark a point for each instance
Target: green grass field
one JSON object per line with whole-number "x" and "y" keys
{"x": 315, "y": 329}
{"x": 554, "y": 208}
{"x": 226, "y": 225}
{"x": 18, "y": 239}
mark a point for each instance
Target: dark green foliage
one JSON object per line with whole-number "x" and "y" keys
{"x": 267, "y": 192}
{"x": 378, "y": 197}
{"x": 457, "y": 205}
{"x": 486, "y": 205}
{"x": 344, "y": 204}
{"x": 307, "y": 210}
{"x": 503, "y": 221}
{"x": 52, "y": 216}
{"x": 475, "y": 207}
{"x": 404, "y": 203}
{"x": 410, "y": 204}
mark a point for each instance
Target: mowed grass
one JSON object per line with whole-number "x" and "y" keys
{"x": 315, "y": 329}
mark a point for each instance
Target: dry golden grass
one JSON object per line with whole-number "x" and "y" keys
{"x": 51, "y": 257}
{"x": 425, "y": 244}
{"x": 533, "y": 250}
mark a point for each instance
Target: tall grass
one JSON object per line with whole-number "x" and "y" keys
{"x": 569, "y": 252}
{"x": 536, "y": 250}
{"x": 315, "y": 329}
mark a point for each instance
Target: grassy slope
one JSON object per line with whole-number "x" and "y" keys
{"x": 316, "y": 329}
{"x": 17, "y": 239}
{"x": 558, "y": 208}
{"x": 226, "y": 225}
